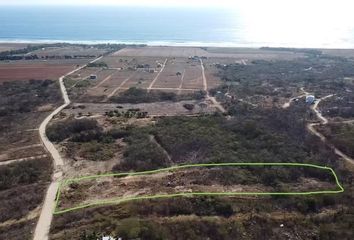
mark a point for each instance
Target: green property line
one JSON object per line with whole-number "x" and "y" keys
{"x": 159, "y": 196}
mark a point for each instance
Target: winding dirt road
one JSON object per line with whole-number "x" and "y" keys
{"x": 287, "y": 104}
{"x": 312, "y": 128}
{"x": 45, "y": 219}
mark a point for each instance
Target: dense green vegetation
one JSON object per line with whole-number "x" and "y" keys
{"x": 98, "y": 65}
{"x": 85, "y": 138}
{"x": 339, "y": 106}
{"x": 27, "y": 172}
{"x": 138, "y": 95}
{"x": 222, "y": 218}
{"x": 22, "y": 54}
{"x": 141, "y": 154}
{"x": 22, "y": 187}
{"x": 341, "y": 135}
{"x": 321, "y": 74}
{"x": 256, "y": 136}
{"x": 250, "y": 134}
{"x": 77, "y": 129}
{"x": 26, "y": 96}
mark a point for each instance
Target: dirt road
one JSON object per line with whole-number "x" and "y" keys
{"x": 45, "y": 219}
{"x": 119, "y": 87}
{"x": 22, "y": 159}
{"x": 287, "y": 104}
{"x": 157, "y": 76}
{"x": 312, "y": 128}
{"x": 213, "y": 100}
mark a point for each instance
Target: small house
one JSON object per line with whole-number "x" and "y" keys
{"x": 310, "y": 99}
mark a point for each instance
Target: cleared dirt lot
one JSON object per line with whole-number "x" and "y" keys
{"x": 40, "y": 70}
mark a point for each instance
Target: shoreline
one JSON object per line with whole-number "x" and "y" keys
{"x": 166, "y": 44}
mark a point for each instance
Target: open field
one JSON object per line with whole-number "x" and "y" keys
{"x": 339, "y": 52}
{"x": 235, "y": 53}
{"x": 39, "y": 70}
{"x": 11, "y": 46}
{"x": 73, "y": 51}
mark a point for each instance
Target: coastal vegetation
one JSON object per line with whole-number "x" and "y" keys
{"x": 138, "y": 95}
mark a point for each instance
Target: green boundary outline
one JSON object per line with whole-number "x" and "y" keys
{"x": 120, "y": 200}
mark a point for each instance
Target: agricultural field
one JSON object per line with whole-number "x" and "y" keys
{"x": 11, "y": 46}
{"x": 176, "y": 70}
{"x": 37, "y": 69}
{"x": 233, "y": 53}
{"x": 69, "y": 51}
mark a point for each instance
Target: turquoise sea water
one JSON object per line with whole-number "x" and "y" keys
{"x": 165, "y": 26}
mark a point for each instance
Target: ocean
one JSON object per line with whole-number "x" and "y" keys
{"x": 171, "y": 26}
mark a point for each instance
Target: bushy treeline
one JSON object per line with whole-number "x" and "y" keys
{"x": 296, "y": 50}
{"x": 22, "y": 187}
{"x": 341, "y": 135}
{"x": 75, "y": 129}
{"x": 86, "y": 139}
{"x": 19, "y": 54}
{"x": 98, "y": 65}
{"x": 26, "y": 96}
{"x": 319, "y": 74}
{"x": 138, "y": 95}
{"x": 207, "y": 217}
{"x": 26, "y": 172}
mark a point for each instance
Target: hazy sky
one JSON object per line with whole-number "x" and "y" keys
{"x": 118, "y": 2}
{"x": 315, "y": 5}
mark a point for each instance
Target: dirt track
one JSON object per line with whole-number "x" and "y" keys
{"x": 45, "y": 219}
{"x": 213, "y": 100}
{"x": 287, "y": 104}
{"x": 324, "y": 121}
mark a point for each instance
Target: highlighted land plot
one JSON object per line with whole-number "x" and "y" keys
{"x": 150, "y": 175}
